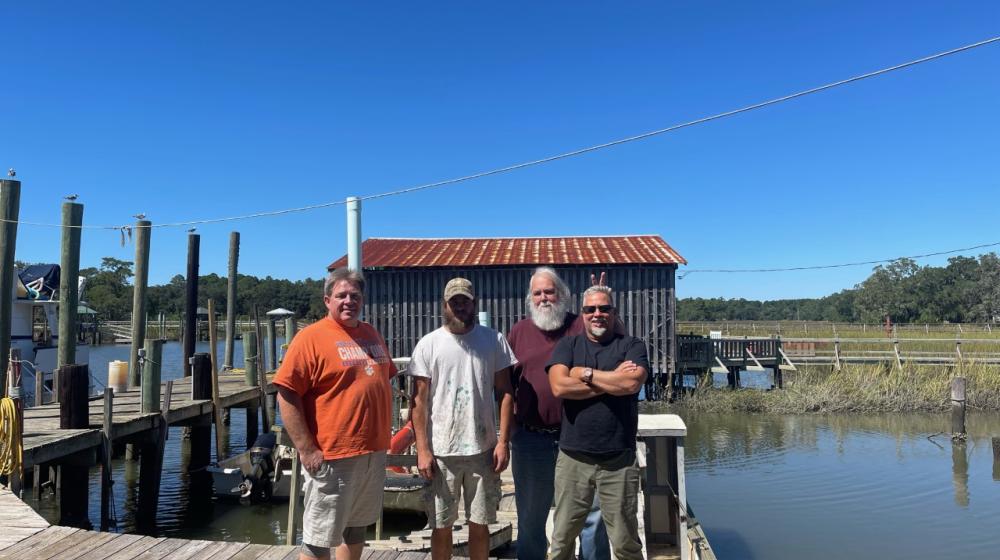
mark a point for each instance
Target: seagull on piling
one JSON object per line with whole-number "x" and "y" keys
{"x": 192, "y": 230}
{"x": 139, "y": 216}
{"x": 71, "y": 197}
{"x": 11, "y": 172}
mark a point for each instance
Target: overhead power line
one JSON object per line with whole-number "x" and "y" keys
{"x": 565, "y": 155}
{"x": 840, "y": 265}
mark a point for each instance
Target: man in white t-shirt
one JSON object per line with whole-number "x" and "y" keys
{"x": 456, "y": 369}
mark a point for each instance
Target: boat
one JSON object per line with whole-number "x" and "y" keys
{"x": 263, "y": 473}
{"x": 35, "y": 324}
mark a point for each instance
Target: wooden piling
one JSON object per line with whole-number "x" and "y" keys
{"x": 293, "y": 498}
{"x": 958, "y": 407}
{"x": 74, "y": 413}
{"x": 291, "y": 329}
{"x": 151, "y": 465}
{"x": 272, "y": 344}
{"x": 151, "y": 374}
{"x": 69, "y": 274}
{"x": 250, "y": 369}
{"x": 191, "y": 298}
{"x": 39, "y": 388}
{"x": 201, "y": 389}
{"x": 106, "y": 480}
{"x": 267, "y": 404}
{"x": 10, "y": 202}
{"x": 213, "y": 339}
{"x": 140, "y": 282}
{"x": 234, "y": 257}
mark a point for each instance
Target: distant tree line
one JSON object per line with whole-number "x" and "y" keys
{"x": 109, "y": 291}
{"x": 967, "y": 290}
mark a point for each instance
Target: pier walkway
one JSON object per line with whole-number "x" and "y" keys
{"x": 45, "y": 442}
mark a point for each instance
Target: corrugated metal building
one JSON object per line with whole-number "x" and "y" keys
{"x": 406, "y": 278}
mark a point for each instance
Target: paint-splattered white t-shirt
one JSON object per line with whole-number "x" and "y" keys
{"x": 461, "y": 368}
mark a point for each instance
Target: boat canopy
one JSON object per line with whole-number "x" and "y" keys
{"x": 40, "y": 280}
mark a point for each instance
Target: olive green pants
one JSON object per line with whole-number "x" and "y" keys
{"x": 616, "y": 481}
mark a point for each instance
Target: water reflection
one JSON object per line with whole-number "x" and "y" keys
{"x": 960, "y": 473}
{"x": 844, "y": 485}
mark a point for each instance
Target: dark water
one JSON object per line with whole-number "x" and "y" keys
{"x": 188, "y": 508}
{"x": 825, "y": 487}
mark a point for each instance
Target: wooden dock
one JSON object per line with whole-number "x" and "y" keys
{"x": 24, "y": 535}
{"x": 45, "y": 442}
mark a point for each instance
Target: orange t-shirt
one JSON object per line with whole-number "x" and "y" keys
{"x": 342, "y": 375}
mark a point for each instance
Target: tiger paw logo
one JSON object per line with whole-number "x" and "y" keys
{"x": 369, "y": 370}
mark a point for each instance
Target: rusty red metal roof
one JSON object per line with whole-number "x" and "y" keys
{"x": 511, "y": 251}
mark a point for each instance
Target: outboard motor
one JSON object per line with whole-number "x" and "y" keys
{"x": 256, "y": 485}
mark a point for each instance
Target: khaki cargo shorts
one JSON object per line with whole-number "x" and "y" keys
{"x": 343, "y": 493}
{"x": 469, "y": 477}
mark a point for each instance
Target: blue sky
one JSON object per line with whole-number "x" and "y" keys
{"x": 187, "y": 110}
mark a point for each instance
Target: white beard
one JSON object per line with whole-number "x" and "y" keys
{"x": 598, "y": 332}
{"x": 548, "y": 316}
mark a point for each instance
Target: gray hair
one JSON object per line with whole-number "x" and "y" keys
{"x": 600, "y": 290}
{"x": 561, "y": 288}
{"x": 354, "y": 277}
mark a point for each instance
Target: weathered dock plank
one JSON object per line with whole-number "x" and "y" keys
{"x": 41, "y": 539}
{"x": 17, "y": 520}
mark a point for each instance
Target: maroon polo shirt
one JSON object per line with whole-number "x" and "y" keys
{"x": 534, "y": 403}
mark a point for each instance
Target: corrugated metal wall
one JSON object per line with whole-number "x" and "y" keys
{"x": 405, "y": 304}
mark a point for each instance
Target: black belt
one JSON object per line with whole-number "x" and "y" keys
{"x": 540, "y": 429}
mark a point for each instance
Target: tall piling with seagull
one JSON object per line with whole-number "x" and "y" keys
{"x": 142, "y": 231}
{"x": 69, "y": 275}
{"x": 234, "y": 257}
{"x": 10, "y": 203}
{"x": 191, "y": 299}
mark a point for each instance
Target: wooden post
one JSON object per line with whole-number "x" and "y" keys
{"x": 234, "y": 257}
{"x": 836, "y": 354}
{"x": 106, "y": 481}
{"x": 10, "y": 201}
{"x": 266, "y": 404}
{"x": 958, "y": 407}
{"x": 293, "y": 499}
{"x": 272, "y": 343}
{"x": 213, "y": 339}
{"x": 151, "y": 374}
{"x": 779, "y": 374}
{"x": 69, "y": 274}
{"x": 959, "y": 359}
{"x": 201, "y": 389}
{"x": 191, "y": 299}
{"x": 151, "y": 465}
{"x": 250, "y": 368}
{"x": 39, "y": 388}
{"x": 74, "y": 413}
{"x": 142, "y": 229}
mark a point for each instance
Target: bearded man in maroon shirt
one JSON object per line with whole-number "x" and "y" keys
{"x": 538, "y": 416}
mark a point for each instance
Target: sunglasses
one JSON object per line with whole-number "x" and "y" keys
{"x": 588, "y": 309}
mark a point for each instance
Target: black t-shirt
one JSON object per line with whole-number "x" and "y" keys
{"x": 604, "y": 424}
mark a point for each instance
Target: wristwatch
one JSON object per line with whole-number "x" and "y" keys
{"x": 588, "y": 376}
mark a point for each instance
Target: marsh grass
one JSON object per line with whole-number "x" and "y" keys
{"x": 856, "y": 388}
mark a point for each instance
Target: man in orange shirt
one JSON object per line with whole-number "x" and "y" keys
{"x": 336, "y": 404}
